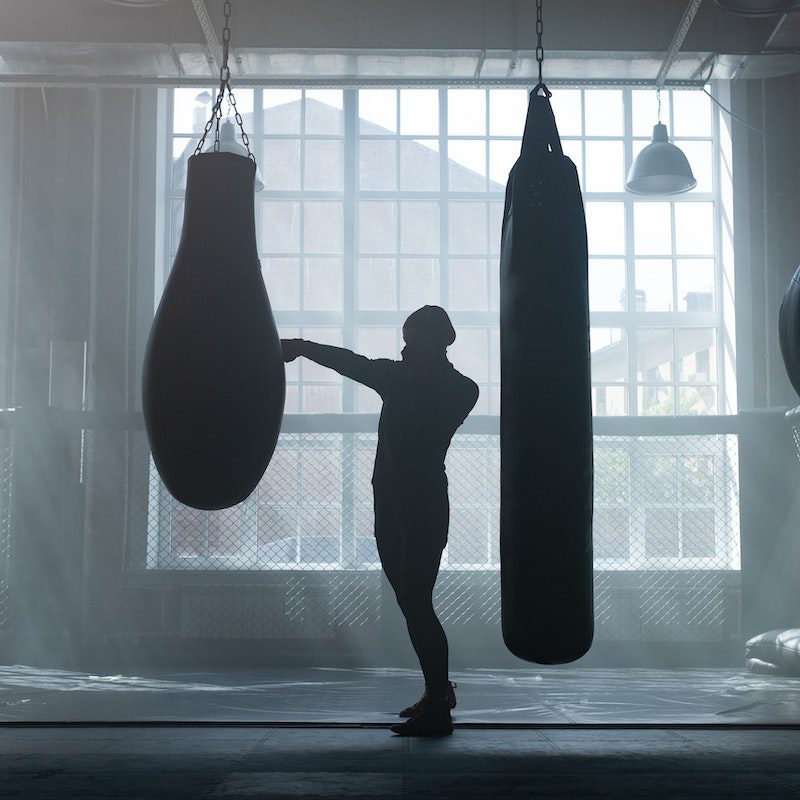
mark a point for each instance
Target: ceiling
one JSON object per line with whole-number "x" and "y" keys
{"x": 156, "y": 42}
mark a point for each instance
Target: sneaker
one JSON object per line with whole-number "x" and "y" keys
{"x": 412, "y": 711}
{"x": 431, "y": 721}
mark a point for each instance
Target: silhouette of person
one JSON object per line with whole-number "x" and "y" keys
{"x": 425, "y": 399}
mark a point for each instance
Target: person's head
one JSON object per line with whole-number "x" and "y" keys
{"x": 427, "y": 333}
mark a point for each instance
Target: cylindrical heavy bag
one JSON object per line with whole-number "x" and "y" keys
{"x": 545, "y": 407}
{"x": 213, "y": 381}
{"x": 789, "y": 330}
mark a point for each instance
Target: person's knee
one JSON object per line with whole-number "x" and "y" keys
{"x": 415, "y": 603}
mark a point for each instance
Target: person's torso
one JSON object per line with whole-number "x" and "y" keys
{"x": 418, "y": 420}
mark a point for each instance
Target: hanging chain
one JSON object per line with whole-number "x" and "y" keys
{"x": 539, "y": 32}
{"x": 540, "y": 49}
{"x": 224, "y": 84}
{"x": 658, "y": 100}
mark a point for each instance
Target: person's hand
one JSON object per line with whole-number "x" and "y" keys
{"x": 292, "y": 348}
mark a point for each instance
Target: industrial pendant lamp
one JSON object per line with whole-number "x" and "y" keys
{"x": 758, "y": 8}
{"x": 661, "y": 168}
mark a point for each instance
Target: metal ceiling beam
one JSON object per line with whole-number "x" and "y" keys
{"x": 214, "y": 47}
{"x": 124, "y": 81}
{"x": 677, "y": 41}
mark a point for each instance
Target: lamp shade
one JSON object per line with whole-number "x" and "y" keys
{"x": 758, "y": 8}
{"x": 228, "y": 144}
{"x": 661, "y": 168}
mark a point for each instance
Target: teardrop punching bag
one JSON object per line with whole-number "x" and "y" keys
{"x": 545, "y": 407}
{"x": 789, "y": 330}
{"x": 213, "y": 382}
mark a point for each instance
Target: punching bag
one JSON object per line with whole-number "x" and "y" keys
{"x": 789, "y": 330}
{"x": 545, "y": 406}
{"x": 213, "y": 382}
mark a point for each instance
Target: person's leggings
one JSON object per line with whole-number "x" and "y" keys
{"x": 411, "y": 532}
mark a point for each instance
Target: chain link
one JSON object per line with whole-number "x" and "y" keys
{"x": 224, "y": 85}
{"x": 540, "y": 50}
{"x": 539, "y": 32}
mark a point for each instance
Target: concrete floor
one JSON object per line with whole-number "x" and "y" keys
{"x": 207, "y": 762}
{"x": 232, "y": 736}
{"x": 539, "y": 696}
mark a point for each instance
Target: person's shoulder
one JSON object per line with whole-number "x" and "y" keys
{"x": 467, "y": 385}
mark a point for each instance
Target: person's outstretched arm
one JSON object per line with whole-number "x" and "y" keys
{"x": 372, "y": 372}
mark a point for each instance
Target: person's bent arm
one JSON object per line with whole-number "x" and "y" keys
{"x": 370, "y": 372}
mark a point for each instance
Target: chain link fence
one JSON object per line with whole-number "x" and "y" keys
{"x": 666, "y": 539}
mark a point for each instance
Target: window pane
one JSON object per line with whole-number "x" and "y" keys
{"x": 470, "y": 353}
{"x": 377, "y": 162}
{"x": 466, "y": 112}
{"x": 656, "y": 401}
{"x": 322, "y": 399}
{"x": 567, "y": 108}
{"x": 609, "y": 401}
{"x": 696, "y": 475}
{"x": 419, "y": 112}
{"x": 697, "y": 527}
{"x": 377, "y": 226}
{"x": 377, "y": 109}
{"x": 700, "y": 160}
{"x": 419, "y": 282}
{"x": 419, "y": 227}
{"x": 419, "y": 165}
{"x": 282, "y": 279}
{"x": 468, "y": 235}
{"x": 496, "y": 208}
{"x": 176, "y": 223}
{"x": 604, "y": 167}
{"x": 282, "y": 109}
{"x": 697, "y": 355}
{"x": 654, "y": 354}
{"x": 182, "y": 149}
{"x": 281, "y": 164}
{"x": 661, "y": 532}
{"x": 609, "y": 355}
{"x": 503, "y": 154}
{"x": 694, "y": 228}
{"x": 468, "y": 285}
{"x": 691, "y": 113}
{"x": 323, "y": 226}
{"x": 698, "y": 400}
{"x": 191, "y": 109}
{"x": 375, "y": 342}
{"x": 652, "y": 229}
{"x": 654, "y": 284}
{"x": 324, "y": 165}
{"x": 324, "y": 112}
{"x": 280, "y": 226}
{"x": 573, "y": 149}
{"x": 322, "y": 289}
{"x": 611, "y": 531}
{"x": 310, "y": 371}
{"x": 696, "y": 284}
{"x": 467, "y": 165}
{"x": 605, "y": 226}
{"x": 606, "y": 284}
{"x": 604, "y": 115}
{"x": 377, "y": 284}
{"x": 494, "y": 285}
{"x": 507, "y": 111}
